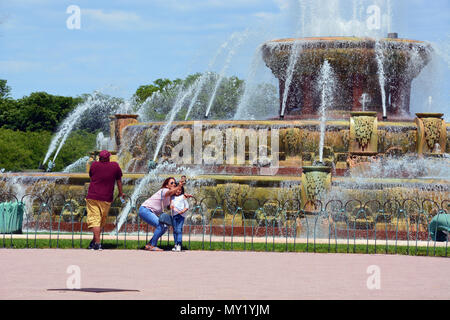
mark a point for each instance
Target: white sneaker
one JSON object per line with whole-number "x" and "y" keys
{"x": 178, "y": 248}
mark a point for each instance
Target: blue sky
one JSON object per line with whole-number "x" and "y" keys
{"x": 124, "y": 44}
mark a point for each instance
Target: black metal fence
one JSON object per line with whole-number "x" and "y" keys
{"x": 391, "y": 226}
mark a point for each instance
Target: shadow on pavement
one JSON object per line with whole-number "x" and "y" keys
{"x": 95, "y": 290}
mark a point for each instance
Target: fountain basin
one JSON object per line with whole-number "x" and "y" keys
{"x": 354, "y": 60}
{"x": 298, "y": 142}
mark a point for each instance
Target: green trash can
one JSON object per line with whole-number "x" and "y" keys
{"x": 11, "y": 217}
{"x": 439, "y": 227}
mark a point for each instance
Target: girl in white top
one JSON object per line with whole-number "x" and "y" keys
{"x": 179, "y": 206}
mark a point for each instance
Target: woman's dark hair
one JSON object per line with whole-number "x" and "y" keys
{"x": 166, "y": 182}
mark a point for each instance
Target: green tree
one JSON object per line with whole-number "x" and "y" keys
{"x": 159, "y": 85}
{"x": 4, "y": 89}
{"x": 25, "y": 150}
{"x": 36, "y": 112}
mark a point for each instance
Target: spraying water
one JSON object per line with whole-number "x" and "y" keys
{"x": 240, "y": 39}
{"x": 326, "y": 86}
{"x": 250, "y": 85}
{"x": 200, "y": 85}
{"x": 69, "y": 123}
{"x": 141, "y": 110}
{"x": 103, "y": 142}
{"x": 77, "y": 166}
{"x": 181, "y": 98}
{"x": 206, "y": 75}
{"x": 381, "y": 76}
{"x": 293, "y": 57}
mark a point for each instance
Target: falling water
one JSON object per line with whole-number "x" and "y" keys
{"x": 293, "y": 57}
{"x": 206, "y": 75}
{"x": 181, "y": 98}
{"x": 69, "y": 123}
{"x": 197, "y": 91}
{"x": 340, "y": 17}
{"x": 389, "y": 15}
{"x": 250, "y": 84}
{"x": 77, "y": 166}
{"x": 147, "y": 103}
{"x": 381, "y": 76}
{"x": 103, "y": 142}
{"x": 240, "y": 39}
{"x": 326, "y": 86}
{"x": 128, "y": 106}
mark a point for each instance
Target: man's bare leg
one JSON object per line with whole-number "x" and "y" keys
{"x": 96, "y": 231}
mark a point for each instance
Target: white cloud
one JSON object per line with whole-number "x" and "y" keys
{"x": 18, "y": 66}
{"x": 282, "y": 4}
{"x": 183, "y": 5}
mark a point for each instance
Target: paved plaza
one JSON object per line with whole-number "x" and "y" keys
{"x": 218, "y": 275}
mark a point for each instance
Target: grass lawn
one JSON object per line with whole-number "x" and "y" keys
{"x": 83, "y": 243}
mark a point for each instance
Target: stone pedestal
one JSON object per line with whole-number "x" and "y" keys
{"x": 118, "y": 122}
{"x": 431, "y": 133}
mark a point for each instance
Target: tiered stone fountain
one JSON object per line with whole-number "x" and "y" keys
{"x": 355, "y": 140}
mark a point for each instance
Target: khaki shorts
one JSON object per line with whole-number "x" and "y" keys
{"x": 97, "y": 211}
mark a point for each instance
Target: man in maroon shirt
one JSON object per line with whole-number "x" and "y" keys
{"x": 104, "y": 174}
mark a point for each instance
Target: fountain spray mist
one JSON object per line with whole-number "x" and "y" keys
{"x": 181, "y": 98}
{"x": 206, "y": 75}
{"x": 250, "y": 85}
{"x": 93, "y": 101}
{"x": 77, "y": 166}
{"x": 240, "y": 39}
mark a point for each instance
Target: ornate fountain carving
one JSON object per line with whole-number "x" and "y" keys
{"x": 315, "y": 186}
{"x": 431, "y": 133}
{"x": 316, "y": 180}
{"x": 363, "y": 132}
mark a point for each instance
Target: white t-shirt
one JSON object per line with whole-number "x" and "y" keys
{"x": 180, "y": 203}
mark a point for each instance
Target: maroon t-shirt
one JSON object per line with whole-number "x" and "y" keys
{"x": 103, "y": 177}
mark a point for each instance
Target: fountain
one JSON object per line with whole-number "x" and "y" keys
{"x": 359, "y": 63}
{"x": 344, "y": 132}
